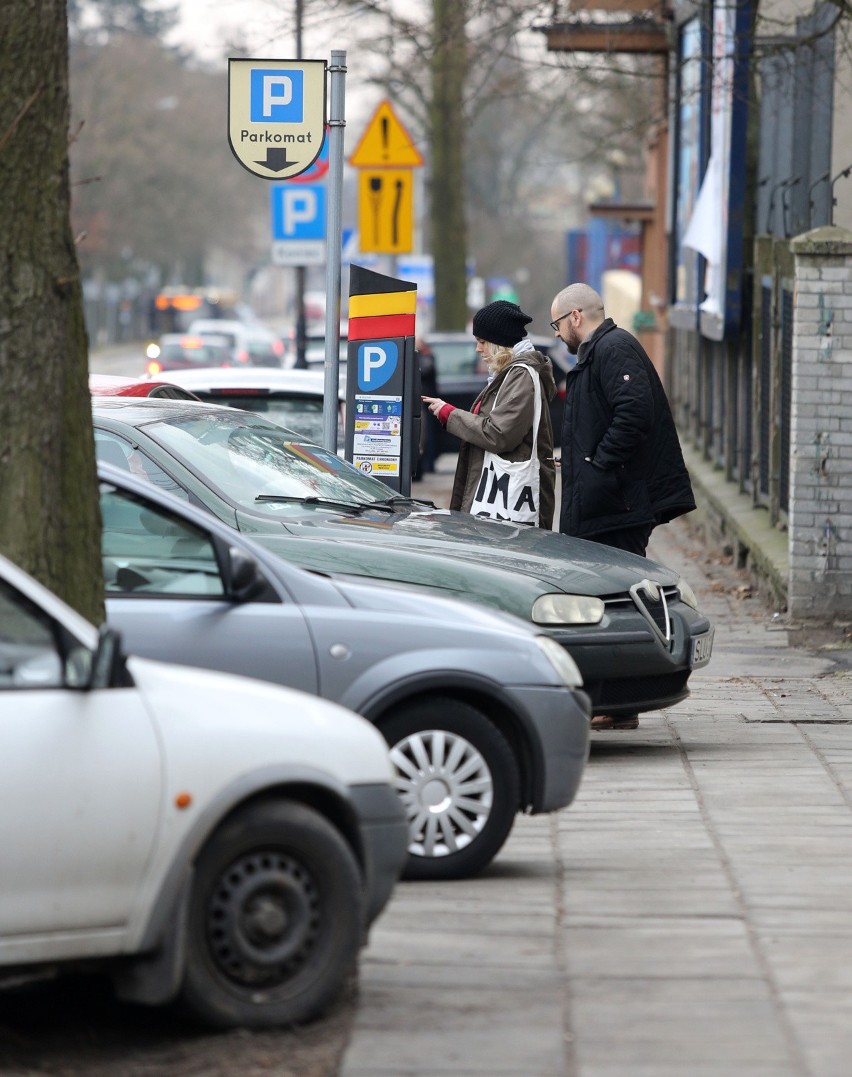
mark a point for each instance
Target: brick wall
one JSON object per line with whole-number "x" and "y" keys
{"x": 820, "y": 516}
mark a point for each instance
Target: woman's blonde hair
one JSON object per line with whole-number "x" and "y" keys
{"x": 497, "y": 356}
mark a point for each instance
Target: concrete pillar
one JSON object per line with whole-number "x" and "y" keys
{"x": 820, "y": 516}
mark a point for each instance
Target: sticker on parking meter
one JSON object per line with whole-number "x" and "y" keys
{"x": 377, "y": 439}
{"x": 377, "y": 444}
{"x": 376, "y": 465}
{"x": 378, "y": 415}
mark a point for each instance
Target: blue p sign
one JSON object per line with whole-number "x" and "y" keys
{"x": 377, "y": 360}
{"x": 277, "y": 96}
{"x": 298, "y": 212}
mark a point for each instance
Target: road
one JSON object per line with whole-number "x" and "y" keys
{"x": 124, "y": 359}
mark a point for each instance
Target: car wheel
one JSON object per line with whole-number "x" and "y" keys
{"x": 458, "y": 780}
{"x": 275, "y": 921}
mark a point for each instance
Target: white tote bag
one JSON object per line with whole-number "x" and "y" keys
{"x": 509, "y": 490}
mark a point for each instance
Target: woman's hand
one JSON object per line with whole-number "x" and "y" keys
{"x": 433, "y": 403}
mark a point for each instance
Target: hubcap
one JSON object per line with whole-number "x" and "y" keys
{"x": 263, "y": 918}
{"x": 446, "y": 788}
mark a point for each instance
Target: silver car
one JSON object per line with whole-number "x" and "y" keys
{"x": 484, "y": 717}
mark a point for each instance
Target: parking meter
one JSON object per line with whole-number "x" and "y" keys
{"x": 382, "y": 430}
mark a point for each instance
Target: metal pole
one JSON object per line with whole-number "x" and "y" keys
{"x": 301, "y": 328}
{"x": 336, "y": 123}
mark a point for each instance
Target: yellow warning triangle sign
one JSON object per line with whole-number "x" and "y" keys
{"x": 385, "y": 143}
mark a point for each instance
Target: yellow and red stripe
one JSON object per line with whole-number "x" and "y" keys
{"x": 382, "y": 314}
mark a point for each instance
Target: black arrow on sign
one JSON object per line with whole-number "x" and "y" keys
{"x": 276, "y": 160}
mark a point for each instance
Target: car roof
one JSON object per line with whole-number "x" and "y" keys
{"x": 228, "y": 325}
{"x": 107, "y": 383}
{"x": 179, "y": 338}
{"x": 117, "y": 385}
{"x": 295, "y": 382}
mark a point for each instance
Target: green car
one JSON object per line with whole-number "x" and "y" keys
{"x": 631, "y": 624}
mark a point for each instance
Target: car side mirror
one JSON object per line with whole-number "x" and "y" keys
{"x": 108, "y": 668}
{"x": 245, "y": 579}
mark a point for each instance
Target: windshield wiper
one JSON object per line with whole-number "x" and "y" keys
{"x": 326, "y": 502}
{"x": 401, "y": 499}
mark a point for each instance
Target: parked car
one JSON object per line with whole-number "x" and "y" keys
{"x": 632, "y": 625}
{"x": 181, "y": 351}
{"x": 115, "y": 385}
{"x": 251, "y": 345}
{"x": 462, "y": 376}
{"x": 202, "y": 838}
{"x": 292, "y": 398}
{"x": 483, "y": 716}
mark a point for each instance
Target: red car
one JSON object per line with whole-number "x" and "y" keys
{"x": 116, "y": 385}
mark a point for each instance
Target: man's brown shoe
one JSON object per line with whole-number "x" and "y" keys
{"x": 607, "y": 721}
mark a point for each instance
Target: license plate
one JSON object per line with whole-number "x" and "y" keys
{"x": 700, "y": 649}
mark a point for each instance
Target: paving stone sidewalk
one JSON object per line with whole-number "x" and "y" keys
{"x": 689, "y": 916}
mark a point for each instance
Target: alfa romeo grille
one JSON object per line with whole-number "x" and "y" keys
{"x": 653, "y": 601}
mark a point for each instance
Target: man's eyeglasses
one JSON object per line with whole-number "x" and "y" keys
{"x": 555, "y": 325}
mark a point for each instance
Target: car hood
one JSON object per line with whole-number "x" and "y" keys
{"x": 217, "y": 726}
{"x": 461, "y": 555}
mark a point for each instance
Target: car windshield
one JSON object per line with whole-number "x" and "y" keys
{"x": 196, "y": 350}
{"x": 249, "y": 458}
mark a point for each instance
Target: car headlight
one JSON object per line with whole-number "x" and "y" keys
{"x": 686, "y": 593}
{"x": 561, "y": 661}
{"x": 567, "y": 610}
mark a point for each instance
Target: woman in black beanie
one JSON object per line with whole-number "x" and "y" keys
{"x": 501, "y": 419}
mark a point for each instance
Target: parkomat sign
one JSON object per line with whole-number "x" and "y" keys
{"x": 276, "y": 114}
{"x": 383, "y": 405}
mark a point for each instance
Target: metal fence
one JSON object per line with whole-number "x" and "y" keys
{"x": 116, "y": 312}
{"x": 732, "y": 398}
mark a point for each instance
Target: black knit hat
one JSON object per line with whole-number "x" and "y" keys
{"x": 501, "y": 322}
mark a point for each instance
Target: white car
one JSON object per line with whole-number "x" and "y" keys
{"x": 292, "y": 398}
{"x": 205, "y": 838}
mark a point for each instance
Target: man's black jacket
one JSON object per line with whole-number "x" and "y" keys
{"x": 622, "y": 464}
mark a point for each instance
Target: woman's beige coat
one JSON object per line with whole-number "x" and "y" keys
{"x": 506, "y": 429}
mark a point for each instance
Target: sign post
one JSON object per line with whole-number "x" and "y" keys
{"x": 383, "y": 383}
{"x": 334, "y": 239}
{"x": 385, "y": 157}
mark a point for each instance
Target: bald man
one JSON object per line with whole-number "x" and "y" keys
{"x": 622, "y": 465}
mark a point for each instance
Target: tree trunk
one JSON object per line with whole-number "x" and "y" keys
{"x": 49, "y": 514}
{"x": 447, "y": 189}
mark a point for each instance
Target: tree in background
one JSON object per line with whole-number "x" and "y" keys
{"x": 448, "y": 65}
{"x": 156, "y": 189}
{"x": 99, "y": 19}
{"x": 512, "y": 141}
{"x": 50, "y": 520}
{"x": 510, "y": 154}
